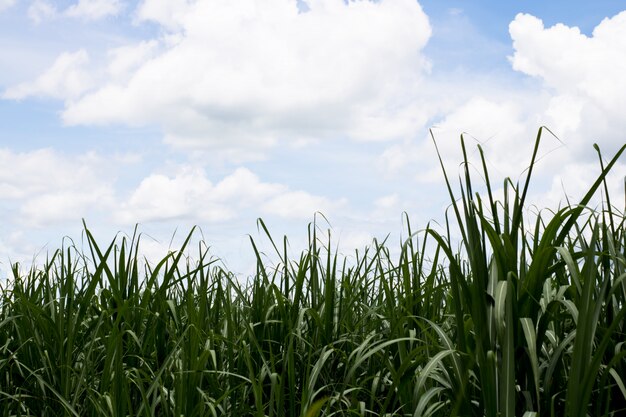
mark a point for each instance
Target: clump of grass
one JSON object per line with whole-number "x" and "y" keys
{"x": 522, "y": 319}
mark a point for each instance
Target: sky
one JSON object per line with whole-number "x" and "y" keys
{"x": 172, "y": 113}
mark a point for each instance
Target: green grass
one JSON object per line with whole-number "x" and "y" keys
{"x": 520, "y": 318}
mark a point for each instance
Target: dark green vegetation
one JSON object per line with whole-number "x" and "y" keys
{"x": 521, "y": 319}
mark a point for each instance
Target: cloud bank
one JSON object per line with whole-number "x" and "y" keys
{"x": 237, "y": 78}
{"x": 189, "y": 194}
{"x": 45, "y": 187}
{"x": 233, "y": 74}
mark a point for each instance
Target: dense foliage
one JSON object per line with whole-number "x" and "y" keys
{"x": 517, "y": 319}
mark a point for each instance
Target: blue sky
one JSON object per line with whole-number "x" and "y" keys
{"x": 173, "y": 113}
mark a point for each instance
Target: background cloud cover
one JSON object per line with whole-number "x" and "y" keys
{"x": 285, "y": 108}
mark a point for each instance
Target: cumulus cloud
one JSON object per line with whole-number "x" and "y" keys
{"x": 67, "y": 78}
{"x": 229, "y": 74}
{"x": 583, "y": 73}
{"x": 300, "y": 205}
{"x": 580, "y": 97}
{"x": 567, "y": 60}
{"x": 47, "y": 187}
{"x": 159, "y": 198}
{"x": 191, "y": 195}
{"x": 94, "y": 9}
{"x": 44, "y": 187}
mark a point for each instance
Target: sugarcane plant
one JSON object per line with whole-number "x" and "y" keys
{"x": 498, "y": 313}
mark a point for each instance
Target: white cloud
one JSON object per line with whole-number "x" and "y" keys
{"x": 5, "y": 4}
{"x": 581, "y": 99}
{"x": 72, "y": 205}
{"x": 47, "y": 187}
{"x": 123, "y": 61}
{"x": 501, "y": 125}
{"x": 567, "y": 60}
{"x": 505, "y": 128}
{"x": 67, "y": 78}
{"x": 159, "y": 198}
{"x": 168, "y": 13}
{"x": 386, "y": 209}
{"x": 300, "y": 205}
{"x": 585, "y": 74}
{"x": 94, "y": 9}
{"x": 396, "y": 158}
{"x": 387, "y": 202}
{"x": 233, "y": 73}
{"x": 41, "y": 10}
{"x": 574, "y": 180}
{"x": 565, "y": 112}
{"x": 244, "y": 187}
{"x": 351, "y": 240}
{"x": 191, "y": 195}
{"x": 28, "y": 173}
